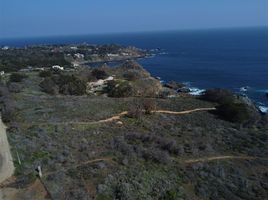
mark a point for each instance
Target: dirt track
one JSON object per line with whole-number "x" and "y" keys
{"x": 118, "y": 116}
{"x": 213, "y": 158}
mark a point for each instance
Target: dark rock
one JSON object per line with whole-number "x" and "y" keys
{"x": 183, "y": 90}
{"x": 174, "y": 85}
{"x": 266, "y": 94}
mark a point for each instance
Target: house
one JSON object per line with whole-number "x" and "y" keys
{"x": 73, "y": 48}
{"x": 5, "y": 48}
{"x": 79, "y": 55}
{"x": 57, "y": 67}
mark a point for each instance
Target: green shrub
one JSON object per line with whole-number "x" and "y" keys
{"x": 218, "y": 95}
{"x": 170, "y": 195}
{"x": 234, "y": 112}
{"x": 156, "y": 155}
{"x": 49, "y": 86}
{"x": 149, "y": 105}
{"x": 99, "y": 74}
{"x": 119, "y": 89}
{"x": 135, "y": 111}
{"x": 63, "y": 84}
{"x": 17, "y": 77}
{"x": 8, "y": 110}
{"x": 46, "y": 73}
{"x": 71, "y": 85}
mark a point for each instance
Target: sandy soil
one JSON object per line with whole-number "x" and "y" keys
{"x": 35, "y": 191}
{"x": 6, "y": 163}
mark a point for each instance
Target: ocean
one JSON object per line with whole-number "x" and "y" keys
{"x": 236, "y": 59}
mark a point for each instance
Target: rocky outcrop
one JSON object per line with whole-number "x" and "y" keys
{"x": 174, "y": 85}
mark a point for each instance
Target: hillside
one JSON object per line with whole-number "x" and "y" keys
{"x": 118, "y": 133}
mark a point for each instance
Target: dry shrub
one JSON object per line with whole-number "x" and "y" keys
{"x": 135, "y": 111}
{"x": 149, "y": 105}
{"x": 156, "y": 155}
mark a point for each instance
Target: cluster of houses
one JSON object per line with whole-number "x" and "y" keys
{"x": 5, "y": 48}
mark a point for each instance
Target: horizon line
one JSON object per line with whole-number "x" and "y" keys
{"x": 131, "y": 32}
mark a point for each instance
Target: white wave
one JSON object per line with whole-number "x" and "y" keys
{"x": 244, "y": 89}
{"x": 263, "y": 109}
{"x": 196, "y": 91}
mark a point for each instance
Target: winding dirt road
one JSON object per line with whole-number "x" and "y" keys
{"x": 124, "y": 113}
{"x": 213, "y": 158}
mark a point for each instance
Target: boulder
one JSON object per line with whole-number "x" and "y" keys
{"x": 174, "y": 85}
{"x": 184, "y": 90}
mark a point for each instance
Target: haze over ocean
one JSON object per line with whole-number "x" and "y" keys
{"x": 228, "y": 58}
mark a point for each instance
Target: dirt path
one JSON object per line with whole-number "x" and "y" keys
{"x": 183, "y": 112}
{"x": 6, "y": 163}
{"x": 118, "y": 116}
{"x": 212, "y": 158}
{"x": 114, "y": 118}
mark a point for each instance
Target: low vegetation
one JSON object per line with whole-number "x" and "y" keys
{"x": 64, "y": 84}
{"x": 143, "y": 155}
{"x": 234, "y": 112}
{"x": 45, "y": 73}
{"x": 218, "y": 95}
{"x": 119, "y": 89}
{"x": 99, "y": 74}
{"x": 17, "y": 77}
{"x": 232, "y": 107}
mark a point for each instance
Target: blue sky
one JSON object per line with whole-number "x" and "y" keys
{"x": 27, "y": 18}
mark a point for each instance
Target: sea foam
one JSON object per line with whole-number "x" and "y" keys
{"x": 263, "y": 109}
{"x": 196, "y": 91}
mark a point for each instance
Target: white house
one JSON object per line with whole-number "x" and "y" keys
{"x": 5, "y": 48}
{"x": 79, "y": 55}
{"x": 57, "y": 67}
{"x": 73, "y": 48}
